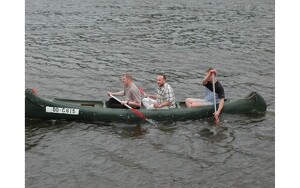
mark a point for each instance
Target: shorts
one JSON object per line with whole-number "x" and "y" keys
{"x": 149, "y": 103}
{"x": 202, "y": 102}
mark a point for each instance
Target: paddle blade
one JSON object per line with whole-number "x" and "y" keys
{"x": 151, "y": 121}
{"x": 216, "y": 121}
{"x": 138, "y": 113}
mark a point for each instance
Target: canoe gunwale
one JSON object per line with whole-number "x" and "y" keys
{"x": 35, "y": 108}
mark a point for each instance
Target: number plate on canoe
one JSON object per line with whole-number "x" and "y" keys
{"x": 60, "y": 110}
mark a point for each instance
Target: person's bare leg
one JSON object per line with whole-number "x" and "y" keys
{"x": 190, "y": 102}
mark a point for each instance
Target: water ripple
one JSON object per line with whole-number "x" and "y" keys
{"x": 80, "y": 52}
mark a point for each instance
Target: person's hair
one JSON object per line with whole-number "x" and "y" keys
{"x": 161, "y": 74}
{"x": 127, "y": 75}
{"x": 209, "y": 69}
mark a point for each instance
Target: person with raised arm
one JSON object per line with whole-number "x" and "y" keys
{"x": 209, "y": 93}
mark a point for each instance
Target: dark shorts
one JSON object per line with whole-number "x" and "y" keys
{"x": 113, "y": 103}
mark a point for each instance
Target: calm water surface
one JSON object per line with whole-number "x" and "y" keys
{"x": 78, "y": 49}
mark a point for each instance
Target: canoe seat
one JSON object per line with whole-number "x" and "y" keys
{"x": 181, "y": 105}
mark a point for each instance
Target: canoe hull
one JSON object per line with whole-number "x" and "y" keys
{"x": 37, "y": 107}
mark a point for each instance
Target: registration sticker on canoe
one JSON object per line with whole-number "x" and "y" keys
{"x": 59, "y": 110}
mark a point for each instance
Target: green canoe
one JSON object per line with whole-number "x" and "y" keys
{"x": 37, "y": 107}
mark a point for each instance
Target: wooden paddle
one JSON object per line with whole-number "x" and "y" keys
{"x": 143, "y": 92}
{"x": 216, "y": 121}
{"x": 135, "y": 111}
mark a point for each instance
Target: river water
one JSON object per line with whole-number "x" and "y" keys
{"x": 79, "y": 48}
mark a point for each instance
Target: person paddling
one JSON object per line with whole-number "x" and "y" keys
{"x": 130, "y": 91}
{"x": 209, "y": 95}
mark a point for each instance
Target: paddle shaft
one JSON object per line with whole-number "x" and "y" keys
{"x": 138, "y": 113}
{"x": 143, "y": 92}
{"x": 214, "y": 91}
{"x": 121, "y": 102}
{"x": 215, "y": 103}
